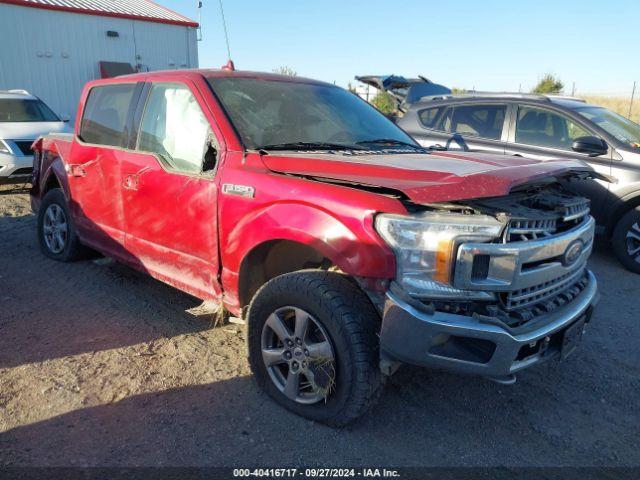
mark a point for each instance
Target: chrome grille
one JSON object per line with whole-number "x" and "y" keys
{"x": 576, "y": 211}
{"x": 523, "y": 230}
{"x": 538, "y": 294}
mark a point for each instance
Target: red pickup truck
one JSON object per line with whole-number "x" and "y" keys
{"x": 347, "y": 247}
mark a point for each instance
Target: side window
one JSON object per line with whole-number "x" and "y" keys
{"x": 174, "y": 128}
{"x": 484, "y": 121}
{"x": 430, "y": 116}
{"x": 544, "y": 128}
{"x": 105, "y": 114}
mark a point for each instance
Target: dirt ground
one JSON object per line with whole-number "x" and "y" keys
{"x": 102, "y": 366}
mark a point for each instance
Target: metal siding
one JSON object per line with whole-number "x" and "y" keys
{"x": 34, "y": 42}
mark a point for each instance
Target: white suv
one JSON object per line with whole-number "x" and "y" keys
{"x": 23, "y": 118}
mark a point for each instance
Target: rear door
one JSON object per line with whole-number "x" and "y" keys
{"x": 547, "y": 134}
{"x": 94, "y": 176}
{"x": 480, "y": 127}
{"x": 169, "y": 189}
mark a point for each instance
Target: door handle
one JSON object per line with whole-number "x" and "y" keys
{"x": 131, "y": 181}
{"x": 78, "y": 171}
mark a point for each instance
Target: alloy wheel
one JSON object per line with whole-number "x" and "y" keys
{"x": 633, "y": 242}
{"x": 55, "y": 228}
{"x": 298, "y": 355}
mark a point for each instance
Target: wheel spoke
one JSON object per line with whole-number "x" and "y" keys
{"x": 277, "y": 325}
{"x": 633, "y": 234}
{"x": 59, "y": 218}
{"x": 59, "y": 240}
{"x": 633, "y": 251}
{"x": 320, "y": 351}
{"x": 63, "y": 227}
{"x": 51, "y": 215}
{"x": 292, "y": 385}
{"x": 272, "y": 356}
{"x": 302, "y": 322}
{"x": 47, "y": 229}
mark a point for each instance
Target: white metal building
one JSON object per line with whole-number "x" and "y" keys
{"x": 53, "y": 47}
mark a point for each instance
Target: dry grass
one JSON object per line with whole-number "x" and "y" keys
{"x": 617, "y": 104}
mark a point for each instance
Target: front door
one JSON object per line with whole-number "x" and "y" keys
{"x": 169, "y": 191}
{"x": 94, "y": 177}
{"x": 544, "y": 134}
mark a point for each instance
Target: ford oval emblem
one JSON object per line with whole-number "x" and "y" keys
{"x": 573, "y": 253}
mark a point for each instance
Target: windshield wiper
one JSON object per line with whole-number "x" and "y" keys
{"x": 309, "y": 146}
{"x": 389, "y": 141}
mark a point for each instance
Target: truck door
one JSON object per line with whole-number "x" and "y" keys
{"x": 169, "y": 190}
{"x": 94, "y": 167}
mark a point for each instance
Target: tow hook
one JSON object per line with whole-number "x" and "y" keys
{"x": 504, "y": 380}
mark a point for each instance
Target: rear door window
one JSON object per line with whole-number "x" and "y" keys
{"x": 429, "y": 118}
{"x": 544, "y": 128}
{"x": 174, "y": 128}
{"x": 485, "y": 121}
{"x": 105, "y": 114}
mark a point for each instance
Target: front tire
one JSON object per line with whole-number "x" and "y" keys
{"x": 56, "y": 230}
{"x": 313, "y": 346}
{"x": 626, "y": 240}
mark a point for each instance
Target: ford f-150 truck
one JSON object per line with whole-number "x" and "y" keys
{"x": 346, "y": 247}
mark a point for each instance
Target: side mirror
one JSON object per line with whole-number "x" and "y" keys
{"x": 592, "y": 146}
{"x": 65, "y": 118}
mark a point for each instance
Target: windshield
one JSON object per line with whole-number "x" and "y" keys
{"x": 25, "y": 110}
{"x": 270, "y": 114}
{"x": 624, "y": 130}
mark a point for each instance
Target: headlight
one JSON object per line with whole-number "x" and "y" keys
{"x": 4, "y": 148}
{"x": 425, "y": 248}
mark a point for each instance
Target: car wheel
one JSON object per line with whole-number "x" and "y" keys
{"x": 626, "y": 240}
{"x": 313, "y": 346}
{"x": 56, "y": 231}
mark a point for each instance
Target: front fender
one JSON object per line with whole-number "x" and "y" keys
{"x": 352, "y": 245}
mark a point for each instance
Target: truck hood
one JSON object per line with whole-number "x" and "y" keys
{"x": 427, "y": 178}
{"x": 30, "y": 130}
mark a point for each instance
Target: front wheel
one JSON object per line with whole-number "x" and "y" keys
{"x": 313, "y": 346}
{"x": 626, "y": 240}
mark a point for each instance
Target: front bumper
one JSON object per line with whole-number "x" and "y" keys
{"x": 15, "y": 166}
{"x": 416, "y": 335}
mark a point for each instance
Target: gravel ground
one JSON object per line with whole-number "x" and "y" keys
{"x": 102, "y": 366}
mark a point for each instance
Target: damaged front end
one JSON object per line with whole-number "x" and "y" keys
{"x": 489, "y": 286}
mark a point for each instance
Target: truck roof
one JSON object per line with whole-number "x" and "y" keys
{"x": 205, "y": 72}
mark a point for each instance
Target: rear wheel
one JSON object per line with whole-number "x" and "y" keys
{"x": 626, "y": 240}
{"x": 313, "y": 346}
{"x": 56, "y": 231}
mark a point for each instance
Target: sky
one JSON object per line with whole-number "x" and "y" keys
{"x": 482, "y": 44}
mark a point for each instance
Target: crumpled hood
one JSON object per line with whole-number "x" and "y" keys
{"x": 426, "y": 178}
{"x": 30, "y": 130}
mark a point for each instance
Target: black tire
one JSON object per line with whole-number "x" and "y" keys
{"x": 626, "y": 238}
{"x": 352, "y": 324}
{"x": 72, "y": 249}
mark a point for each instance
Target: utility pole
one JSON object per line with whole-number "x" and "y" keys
{"x": 633, "y": 93}
{"x": 573, "y": 90}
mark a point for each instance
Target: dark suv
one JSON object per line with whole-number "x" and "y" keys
{"x": 546, "y": 128}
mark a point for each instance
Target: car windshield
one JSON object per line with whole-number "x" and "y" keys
{"x": 621, "y": 128}
{"x": 274, "y": 114}
{"x": 25, "y": 110}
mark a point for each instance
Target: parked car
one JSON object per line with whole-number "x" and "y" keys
{"x": 23, "y": 118}
{"x": 545, "y": 128}
{"x": 347, "y": 247}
